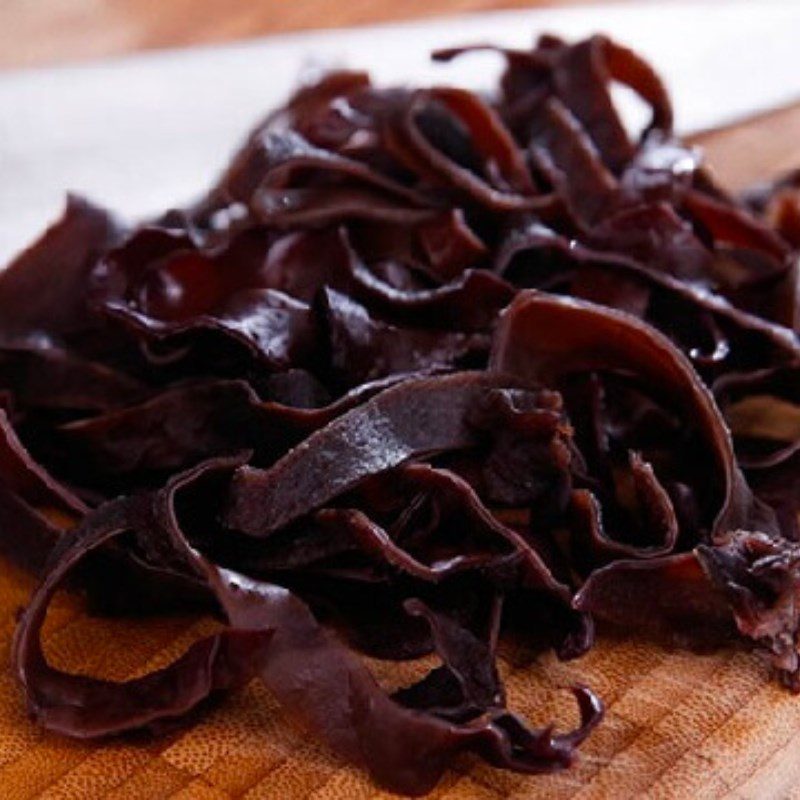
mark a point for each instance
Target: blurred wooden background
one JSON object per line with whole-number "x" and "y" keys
{"x": 36, "y": 32}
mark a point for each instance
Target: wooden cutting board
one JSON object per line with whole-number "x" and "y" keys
{"x": 679, "y": 725}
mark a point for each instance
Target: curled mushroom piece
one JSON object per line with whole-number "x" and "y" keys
{"x": 542, "y": 337}
{"x": 422, "y": 370}
{"x": 401, "y": 742}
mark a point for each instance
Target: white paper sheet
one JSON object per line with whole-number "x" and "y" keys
{"x": 146, "y": 132}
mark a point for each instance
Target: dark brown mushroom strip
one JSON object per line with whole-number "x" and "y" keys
{"x": 44, "y": 291}
{"x": 21, "y": 473}
{"x": 418, "y": 418}
{"x": 56, "y": 379}
{"x": 759, "y": 576}
{"x": 671, "y": 596}
{"x": 363, "y": 349}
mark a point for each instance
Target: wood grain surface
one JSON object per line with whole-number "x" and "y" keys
{"x": 679, "y": 725}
